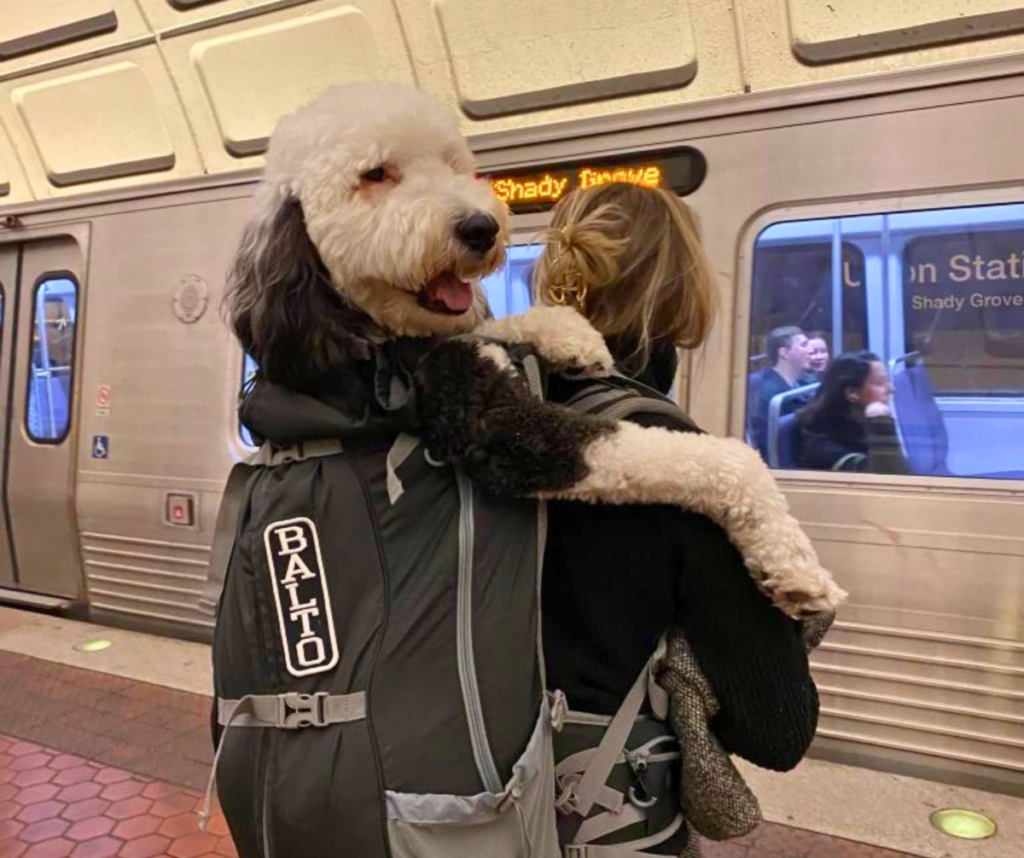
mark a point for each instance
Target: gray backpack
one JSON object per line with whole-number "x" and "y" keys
{"x": 618, "y": 778}
{"x": 379, "y": 691}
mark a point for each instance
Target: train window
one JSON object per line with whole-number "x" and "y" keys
{"x": 249, "y": 367}
{"x": 52, "y": 363}
{"x": 508, "y": 290}
{"x": 891, "y": 343}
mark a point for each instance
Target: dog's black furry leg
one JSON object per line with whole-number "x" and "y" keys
{"x": 484, "y": 421}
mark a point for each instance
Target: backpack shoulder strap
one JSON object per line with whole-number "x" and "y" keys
{"x": 618, "y": 397}
{"x": 224, "y": 533}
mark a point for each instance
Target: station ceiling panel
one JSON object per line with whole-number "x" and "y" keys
{"x": 550, "y": 54}
{"x": 844, "y": 29}
{"x": 800, "y": 42}
{"x": 39, "y": 32}
{"x": 112, "y": 120}
{"x": 239, "y": 78}
{"x": 169, "y": 16}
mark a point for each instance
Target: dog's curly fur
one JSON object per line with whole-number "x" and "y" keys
{"x": 484, "y": 420}
{"x": 296, "y": 326}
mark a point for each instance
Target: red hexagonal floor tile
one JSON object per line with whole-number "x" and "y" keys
{"x": 39, "y": 812}
{"x": 145, "y": 847}
{"x": 123, "y": 790}
{"x": 39, "y": 832}
{"x": 75, "y": 776}
{"x": 173, "y": 805}
{"x": 20, "y": 749}
{"x": 192, "y": 845}
{"x": 37, "y": 793}
{"x": 108, "y": 776}
{"x": 33, "y": 777}
{"x": 59, "y": 848}
{"x": 138, "y": 826}
{"x": 180, "y": 825}
{"x": 85, "y": 809}
{"x": 8, "y": 791}
{"x": 101, "y": 847}
{"x": 79, "y": 792}
{"x": 29, "y": 761}
{"x": 12, "y": 848}
{"x": 9, "y": 809}
{"x": 10, "y": 828}
{"x": 129, "y": 807}
{"x": 226, "y": 847}
{"x": 66, "y": 761}
{"x": 87, "y": 829}
{"x": 158, "y": 790}
{"x": 218, "y": 825}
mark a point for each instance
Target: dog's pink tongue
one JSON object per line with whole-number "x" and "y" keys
{"x": 449, "y": 290}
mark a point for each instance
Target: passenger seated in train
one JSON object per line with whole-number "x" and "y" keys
{"x": 789, "y": 357}
{"x": 817, "y": 359}
{"x": 848, "y": 426}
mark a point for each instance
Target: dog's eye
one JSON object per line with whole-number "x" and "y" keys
{"x": 377, "y": 174}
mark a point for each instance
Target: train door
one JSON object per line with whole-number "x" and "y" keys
{"x": 42, "y": 282}
{"x": 9, "y": 256}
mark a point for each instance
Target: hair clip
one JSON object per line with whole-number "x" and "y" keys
{"x": 569, "y": 287}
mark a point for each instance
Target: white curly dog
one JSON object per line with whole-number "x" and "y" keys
{"x": 370, "y": 203}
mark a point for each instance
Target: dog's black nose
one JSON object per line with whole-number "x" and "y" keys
{"x": 477, "y": 232}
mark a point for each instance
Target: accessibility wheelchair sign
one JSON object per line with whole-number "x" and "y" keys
{"x": 100, "y": 447}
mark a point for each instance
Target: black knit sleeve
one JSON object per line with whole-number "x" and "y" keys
{"x": 750, "y": 652}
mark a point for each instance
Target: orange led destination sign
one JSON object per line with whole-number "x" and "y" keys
{"x": 681, "y": 170}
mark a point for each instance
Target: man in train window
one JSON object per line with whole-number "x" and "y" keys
{"x": 789, "y": 355}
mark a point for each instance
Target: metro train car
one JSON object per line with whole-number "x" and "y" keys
{"x": 865, "y": 184}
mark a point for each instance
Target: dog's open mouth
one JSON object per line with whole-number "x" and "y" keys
{"x": 446, "y": 293}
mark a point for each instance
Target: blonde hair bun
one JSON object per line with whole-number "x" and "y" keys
{"x": 631, "y": 258}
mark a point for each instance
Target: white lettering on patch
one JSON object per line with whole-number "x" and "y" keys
{"x": 301, "y": 595}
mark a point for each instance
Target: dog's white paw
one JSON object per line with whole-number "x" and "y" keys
{"x": 561, "y": 337}
{"x": 496, "y": 355}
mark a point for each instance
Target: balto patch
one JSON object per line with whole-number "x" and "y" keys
{"x": 301, "y": 595}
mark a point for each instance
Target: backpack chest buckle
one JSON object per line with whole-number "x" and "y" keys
{"x": 295, "y": 711}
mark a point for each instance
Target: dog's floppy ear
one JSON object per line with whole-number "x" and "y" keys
{"x": 282, "y": 306}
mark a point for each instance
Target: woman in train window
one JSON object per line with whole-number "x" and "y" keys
{"x": 616, "y": 578}
{"x": 848, "y": 426}
{"x": 817, "y": 359}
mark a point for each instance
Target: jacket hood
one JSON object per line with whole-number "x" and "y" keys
{"x": 362, "y": 400}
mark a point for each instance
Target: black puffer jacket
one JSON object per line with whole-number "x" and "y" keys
{"x": 615, "y": 578}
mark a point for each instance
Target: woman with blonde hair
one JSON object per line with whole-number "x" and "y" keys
{"x": 616, "y": 579}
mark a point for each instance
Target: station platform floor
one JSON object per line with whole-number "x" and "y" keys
{"x": 107, "y": 753}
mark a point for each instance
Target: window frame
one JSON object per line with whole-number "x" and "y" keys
{"x": 56, "y": 274}
{"x": 746, "y": 247}
{"x": 240, "y": 428}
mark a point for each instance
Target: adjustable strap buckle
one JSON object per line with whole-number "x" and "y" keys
{"x": 295, "y": 711}
{"x": 566, "y": 801}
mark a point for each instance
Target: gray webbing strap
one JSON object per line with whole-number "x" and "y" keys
{"x": 401, "y": 449}
{"x": 586, "y": 793}
{"x": 224, "y": 535}
{"x": 292, "y": 711}
{"x": 603, "y": 824}
{"x": 632, "y": 849}
{"x": 289, "y": 711}
{"x": 596, "y": 397}
{"x": 531, "y": 368}
{"x": 269, "y": 455}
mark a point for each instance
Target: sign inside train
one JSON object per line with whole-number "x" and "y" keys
{"x": 966, "y": 279}
{"x": 538, "y": 189}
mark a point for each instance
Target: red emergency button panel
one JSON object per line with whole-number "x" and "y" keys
{"x": 181, "y": 510}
